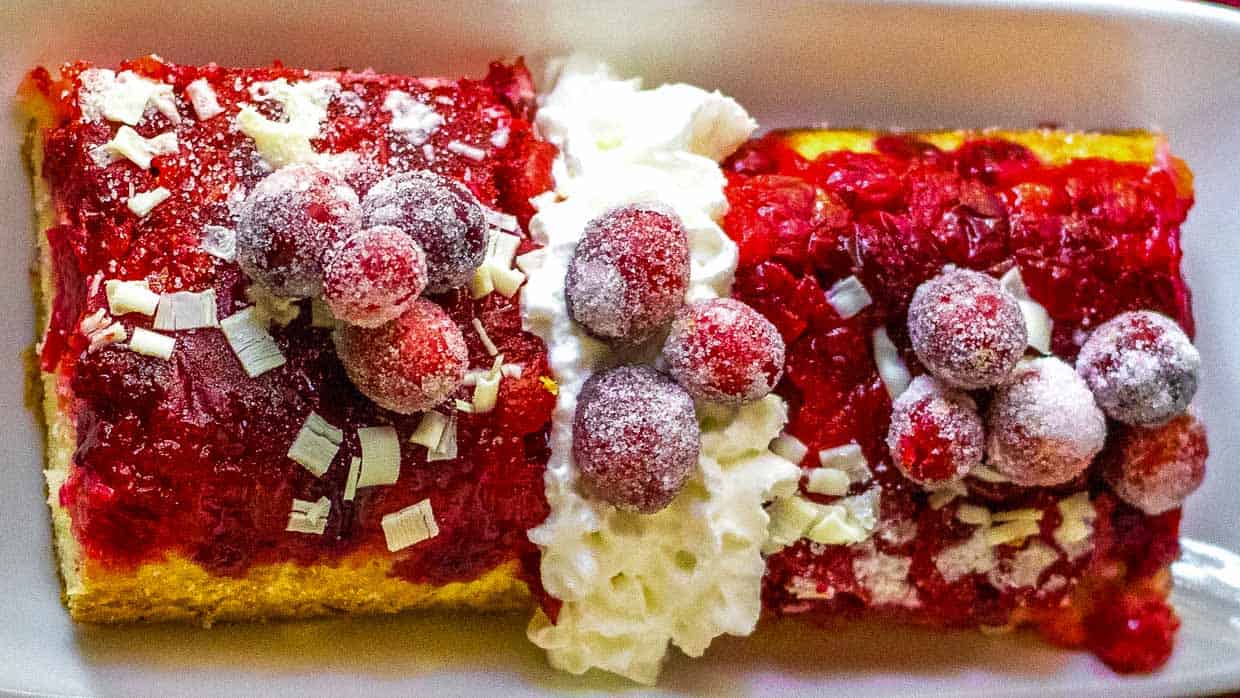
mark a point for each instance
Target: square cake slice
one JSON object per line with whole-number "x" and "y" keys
{"x": 989, "y": 370}
{"x": 208, "y": 457}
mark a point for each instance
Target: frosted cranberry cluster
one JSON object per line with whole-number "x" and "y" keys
{"x": 304, "y": 232}
{"x": 635, "y": 432}
{"x": 1045, "y": 422}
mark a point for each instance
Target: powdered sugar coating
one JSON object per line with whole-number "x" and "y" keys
{"x": 966, "y": 329}
{"x": 289, "y": 222}
{"x": 722, "y": 350}
{"x": 629, "y": 273}
{"x": 635, "y": 438}
{"x": 1141, "y": 367}
{"x": 1155, "y": 468}
{"x": 409, "y": 364}
{"x": 374, "y": 277}
{"x": 1043, "y": 426}
{"x": 441, "y": 215}
{"x": 936, "y": 434}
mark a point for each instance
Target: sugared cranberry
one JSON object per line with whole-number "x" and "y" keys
{"x": 1133, "y": 634}
{"x": 635, "y": 438}
{"x": 289, "y": 222}
{"x": 724, "y": 351}
{"x": 936, "y": 434}
{"x": 1155, "y": 468}
{"x": 441, "y": 215}
{"x": 1141, "y": 367}
{"x": 1043, "y": 426}
{"x": 409, "y": 364}
{"x": 374, "y": 277}
{"x": 629, "y": 273}
{"x": 966, "y": 329}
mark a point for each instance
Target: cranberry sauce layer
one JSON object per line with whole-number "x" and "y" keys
{"x": 188, "y": 456}
{"x": 1092, "y": 238}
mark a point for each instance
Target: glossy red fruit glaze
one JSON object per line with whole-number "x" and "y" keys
{"x": 1092, "y": 238}
{"x": 966, "y": 329}
{"x": 635, "y": 438}
{"x": 724, "y": 351}
{"x": 188, "y": 456}
{"x": 1155, "y": 468}
{"x": 289, "y": 224}
{"x": 1133, "y": 634}
{"x": 407, "y": 365}
{"x": 629, "y": 273}
{"x": 374, "y": 277}
{"x": 441, "y": 215}
{"x": 1141, "y": 367}
{"x": 936, "y": 433}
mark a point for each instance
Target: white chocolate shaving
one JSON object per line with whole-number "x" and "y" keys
{"x": 150, "y": 343}
{"x": 185, "y": 310}
{"x": 203, "y": 99}
{"x": 849, "y": 297}
{"x": 250, "y": 341}
{"x": 891, "y": 367}
{"x": 143, "y": 203}
{"x": 316, "y": 444}
{"x": 128, "y": 145}
{"x": 131, "y": 297}
{"x": 409, "y": 526}
{"x": 430, "y": 430}
{"x": 380, "y": 456}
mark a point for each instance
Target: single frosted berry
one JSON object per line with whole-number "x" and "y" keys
{"x": 1141, "y": 367}
{"x": 289, "y": 222}
{"x": 1043, "y": 426}
{"x": 966, "y": 329}
{"x": 629, "y": 273}
{"x": 635, "y": 438}
{"x": 936, "y": 434}
{"x": 409, "y": 364}
{"x": 1155, "y": 468}
{"x": 374, "y": 277}
{"x": 441, "y": 215}
{"x": 724, "y": 351}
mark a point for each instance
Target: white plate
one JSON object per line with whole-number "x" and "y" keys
{"x": 1095, "y": 64}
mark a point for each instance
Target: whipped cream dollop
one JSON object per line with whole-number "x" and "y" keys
{"x": 632, "y": 583}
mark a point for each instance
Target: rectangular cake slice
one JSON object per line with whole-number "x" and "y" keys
{"x": 1043, "y": 513}
{"x": 208, "y": 458}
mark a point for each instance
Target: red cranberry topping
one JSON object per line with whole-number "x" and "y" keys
{"x": 409, "y": 364}
{"x": 441, "y": 215}
{"x": 635, "y": 438}
{"x": 200, "y": 469}
{"x": 966, "y": 329}
{"x": 1155, "y": 468}
{"x": 1141, "y": 367}
{"x": 289, "y": 222}
{"x": 1044, "y": 428}
{"x": 629, "y": 273}
{"x": 113, "y": 376}
{"x": 1133, "y": 633}
{"x": 374, "y": 277}
{"x": 724, "y": 351}
{"x": 936, "y": 434}
{"x": 1093, "y": 238}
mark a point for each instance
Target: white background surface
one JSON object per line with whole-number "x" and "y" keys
{"x": 1099, "y": 64}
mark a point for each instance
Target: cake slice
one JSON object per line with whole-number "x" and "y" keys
{"x": 941, "y": 378}
{"x": 989, "y": 371}
{"x": 209, "y": 458}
